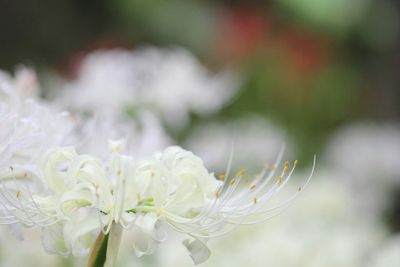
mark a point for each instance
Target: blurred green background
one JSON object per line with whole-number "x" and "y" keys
{"x": 309, "y": 65}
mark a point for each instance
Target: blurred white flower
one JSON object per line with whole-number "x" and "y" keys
{"x": 80, "y": 194}
{"x": 169, "y": 81}
{"x": 143, "y": 135}
{"x": 388, "y": 254}
{"x": 368, "y": 156}
{"x": 255, "y": 141}
{"x": 24, "y": 84}
{"x": 28, "y": 128}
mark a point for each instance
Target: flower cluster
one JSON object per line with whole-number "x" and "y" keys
{"x": 79, "y": 194}
{"x": 47, "y": 181}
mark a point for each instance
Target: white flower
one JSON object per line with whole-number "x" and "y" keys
{"x": 323, "y": 228}
{"x": 75, "y": 195}
{"x": 255, "y": 139}
{"x": 142, "y": 135}
{"x": 170, "y": 82}
{"x": 367, "y": 154}
{"x": 388, "y": 254}
{"x": 28, "y": 128}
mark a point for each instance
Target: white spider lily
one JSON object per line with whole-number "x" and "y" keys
{"x": 75, "y": 195}
{"x": 28, "y": 128}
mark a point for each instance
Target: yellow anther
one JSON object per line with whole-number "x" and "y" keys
{"x": 221, "y": 176}
{"x": 18, "y": 193}
{"x": 295, "y": 162}
{"x": 231, "y": 182}
{"x": 273, "y": 167}
{"x": 241, "y": 172}
{"x": 286, "y": 164}
{"x": 252, "y": 187}
{"x": 217, "y": 194}
{"x": 280, "y": 178}
{"x": 299, "y": 189}
{"x": 266, "y": 166}
{"x": 254, "y": 200}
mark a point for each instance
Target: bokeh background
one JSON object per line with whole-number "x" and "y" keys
{"x": 320, "y": 75}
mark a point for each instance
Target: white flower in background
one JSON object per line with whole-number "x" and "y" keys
{"x": 27, "y": 127}
{"x": 388, "y": 254}
{"x": 25, "y": 83}
{"x": 255, "y": 140}
{"x": 368, "y": 155}
{"x": 169, "y": 81}
{"x": 143, "y": 135}
{"x": 75, "y": 195}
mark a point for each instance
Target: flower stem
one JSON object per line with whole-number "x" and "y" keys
{"x": 113, "y": 245}
{"x": 105, "y": 249}
{"x": 98, "y": 255}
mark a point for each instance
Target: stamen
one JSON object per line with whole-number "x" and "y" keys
{"x": 295, "y": 162}
{"x": 285, "y": 169}
{"x": 253, "y": 187}
{"x": 273, "y": 167}
{"x": 254, "y": 200}
{"x": 231, "y": 182}
{"x": 18, "y": 193}
{"x": 217, "y": 194}
{"x": 299, "y": 189}
{"x": 240, "y": 172}
{"x": 286, "y": 164}
{"x": 221, "y": 177}
{"x": 280, "y": 178}
{"x": 266, "y": 166}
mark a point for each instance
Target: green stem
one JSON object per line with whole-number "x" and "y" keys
{"x": 98, "y": 255}
{"x": 105, "y": 249}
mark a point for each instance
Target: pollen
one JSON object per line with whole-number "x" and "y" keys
{"x": 231, "y": 182}
{"x": 280, "y": 178}
{"x": 221, "y": 176}
{"x": 18, "y": 193}
{"x": 295, "y": 162}
{"x": 274, "y": 167}
{"x": 241, "y": 172}
{"x": 286, "y": 164}
{"x": 217, "y": 194}
{"x": 252, "y": 187}
{"x": 254, "y": 200}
